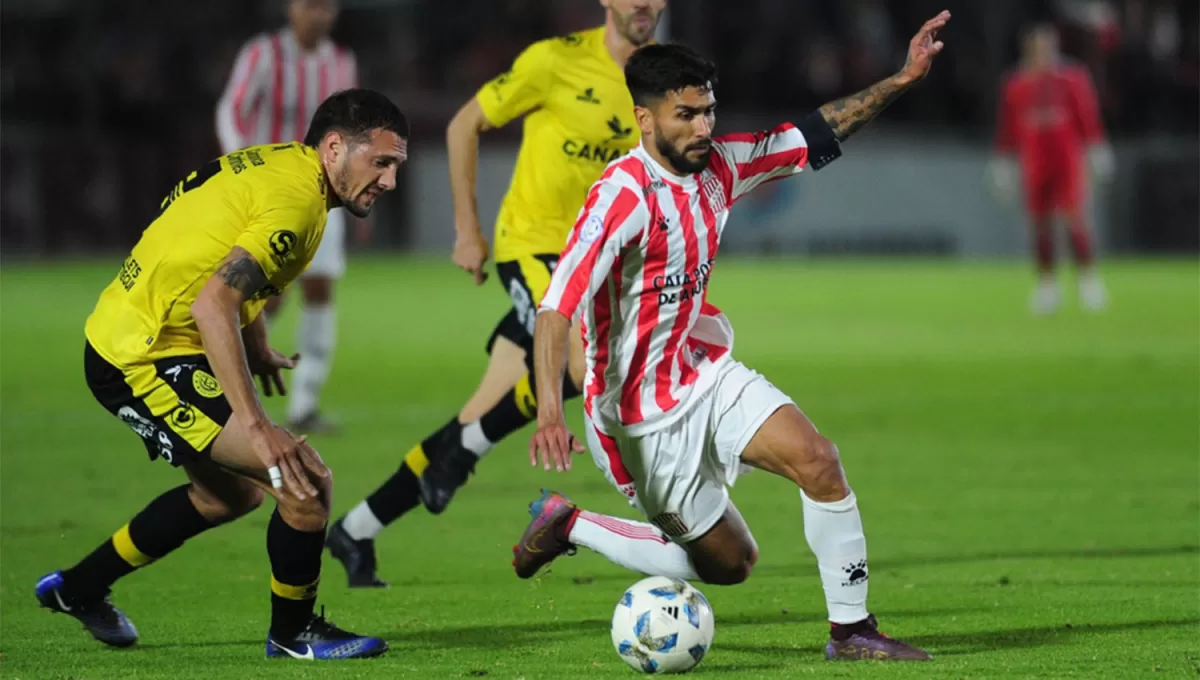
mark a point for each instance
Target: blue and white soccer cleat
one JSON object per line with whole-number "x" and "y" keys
{"x": 320, "y": 639}
{"x": 105, "y": 622}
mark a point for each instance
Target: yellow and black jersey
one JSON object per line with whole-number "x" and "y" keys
{"x": 578, "y": 118}
{"x": 269, "y": 200}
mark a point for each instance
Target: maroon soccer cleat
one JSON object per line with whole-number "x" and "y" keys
{"x": 863, "y": 641}
{"x": 546, "y": 536}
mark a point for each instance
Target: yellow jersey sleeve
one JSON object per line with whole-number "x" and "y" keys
{"x": 282, "y": 233}
{"x": 521, "y": 89}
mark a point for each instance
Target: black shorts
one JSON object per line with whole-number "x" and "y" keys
{"x": 525, "y": 279}
{"x": 175, "y": 405}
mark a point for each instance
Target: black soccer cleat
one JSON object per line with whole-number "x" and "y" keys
{"x": 321, "y": 640}
{"x": 99, "y": 617}
{"x": 446, "y": 473}
{"x": 358, "y": 557}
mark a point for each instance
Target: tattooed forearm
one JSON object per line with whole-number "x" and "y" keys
{"x": 847, "y": 116}
{"x": 244, "y": 275}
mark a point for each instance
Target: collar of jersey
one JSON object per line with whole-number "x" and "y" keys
{"x": 687, "y": 181}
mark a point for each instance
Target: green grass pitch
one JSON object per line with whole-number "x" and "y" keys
{"x": 1030, "y": 487}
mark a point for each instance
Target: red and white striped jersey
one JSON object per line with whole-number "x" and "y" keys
{"x": 276, "y": 87}
{"x": 637, "y": 266}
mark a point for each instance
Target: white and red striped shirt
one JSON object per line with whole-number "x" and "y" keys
{"x": 276, "y": 87}
{"x": 637, "y": 266}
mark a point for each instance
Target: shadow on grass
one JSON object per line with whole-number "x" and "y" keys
{"x": 949, "y": 644}
{"x": 893, "y": 564}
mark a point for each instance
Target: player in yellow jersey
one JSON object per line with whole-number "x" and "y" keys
{"x": 174, "y": 343}
{"x": 578, "y": 117}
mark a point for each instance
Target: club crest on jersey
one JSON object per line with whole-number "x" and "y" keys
{"x": 591, "y": 229}
{"x": 715, "y": 192}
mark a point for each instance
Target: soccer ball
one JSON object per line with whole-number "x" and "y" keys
{"x": 662, "y": 625}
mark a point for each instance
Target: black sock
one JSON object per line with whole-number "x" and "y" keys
{"x": 515, "y": 410}
{"x": 295, "y": 572}
{"x": 159, "y": 528}
{"x": 396, "y": 496}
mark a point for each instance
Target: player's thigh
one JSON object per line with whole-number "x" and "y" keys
{"x": 175, "y": 405}
{"x": 755, "y": 423}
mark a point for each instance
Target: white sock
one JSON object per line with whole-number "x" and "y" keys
{"x": 475, "y": 441}
{"x": 835, "y": 535}
{"x": 361, "y": 523}
{"x": 633, "y": 545}
{"x": 315, "y": 339}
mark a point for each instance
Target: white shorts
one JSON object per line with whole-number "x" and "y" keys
{"x": 330, "y": 258}
{"x": 681, "y": 473}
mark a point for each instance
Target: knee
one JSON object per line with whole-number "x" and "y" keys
{"x": 729, "y": 570}
{"x": 236, "y": 502}
{"x": 819, "y": 472}
{"x": 311, "y": 513}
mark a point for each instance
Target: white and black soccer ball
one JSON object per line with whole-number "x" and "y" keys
{"x": 662, "y": 625}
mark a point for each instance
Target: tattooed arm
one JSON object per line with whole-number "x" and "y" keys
{"x": 847, "y": 116}
{"x": 217, "y": 311}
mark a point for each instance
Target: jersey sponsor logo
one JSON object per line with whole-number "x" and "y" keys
{"x": 618, "y": 131}
{"x": 671, "y": 524}
{"x": 206, "y": 385}
{"x": 283, "y": 242}
{"x": 591, "y": 152}
{"x": 588, "y": 96}
{"x": 237, "y": 160}
{"x": 591, "y": 229}
{"x": 129, "y": 273}
{"x": 690, "y": 284}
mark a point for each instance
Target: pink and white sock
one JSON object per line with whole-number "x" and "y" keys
{"x": 633, "y": 545}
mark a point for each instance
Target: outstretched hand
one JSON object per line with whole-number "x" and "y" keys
{"x": 923, "y": 47}
{"x": 268, "y": 366}
{"x": 555, "y": 443}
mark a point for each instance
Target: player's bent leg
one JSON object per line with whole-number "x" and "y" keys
{"x": 725, "y": 554}
{"x": 212, "y": 498}
{"x": 316, "y": 336}
{"x": 557, "y": 526}
{"x": 502, "y": 403}
{"x": 351, "y": 538}
{"x": 295, "y": 539}
{"x": 788, "y": 445}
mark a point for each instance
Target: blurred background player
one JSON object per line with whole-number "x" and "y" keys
{"x": 277, "y": 83}
{"x": 578, "y": 118}
{"x": 174, "y": 343}
{"x": 1049, "y": 120}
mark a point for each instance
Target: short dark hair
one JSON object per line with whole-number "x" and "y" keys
{"x": 355, "y": 113}
{"x": 655, "y": 70}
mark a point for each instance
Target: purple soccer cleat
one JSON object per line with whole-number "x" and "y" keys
{"x": 862, "y": 641}
{"x": 546, "y": 536}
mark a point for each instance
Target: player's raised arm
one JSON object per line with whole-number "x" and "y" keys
{"x": 507, "y": 96}
{"x": 246, "y": 85}
{"x": 614, "y": 216}
{"x": 848, "y": 115}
